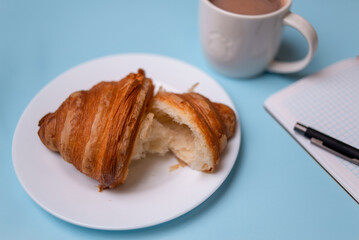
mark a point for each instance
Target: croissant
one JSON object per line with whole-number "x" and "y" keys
{"x": 95, "y": 130}
{"x": 195, "y": 129}
{"x": 100, "y": 131}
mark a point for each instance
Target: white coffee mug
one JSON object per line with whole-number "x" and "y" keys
{"x": 245, "y": 45}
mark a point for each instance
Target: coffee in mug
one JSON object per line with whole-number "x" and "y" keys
{"x": 249, "y": 7}
{"x": 240, "y": 38}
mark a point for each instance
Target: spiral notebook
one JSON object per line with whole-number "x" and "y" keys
{"x": 329, "y": 102}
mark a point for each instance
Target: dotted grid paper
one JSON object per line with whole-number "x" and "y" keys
{"x": 331, "y": 105}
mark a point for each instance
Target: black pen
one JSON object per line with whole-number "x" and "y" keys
{"x": 330, "y": 144}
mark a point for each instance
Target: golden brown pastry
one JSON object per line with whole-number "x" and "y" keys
{"x": 101, "y": 130}
{"x": 95, "y": 130}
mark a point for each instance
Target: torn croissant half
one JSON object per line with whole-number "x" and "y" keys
{"x": 95, "y": 130}
{"x": 189, "y": 125}
{"x": 101, "y": 130}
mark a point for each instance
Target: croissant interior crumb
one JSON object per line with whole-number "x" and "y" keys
{"x": 161, "y": 133}
{"x": 153, "y": 138}
{"x": 181, "y": 142}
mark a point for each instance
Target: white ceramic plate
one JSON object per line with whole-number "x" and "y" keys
{"x": 152, "y": 193}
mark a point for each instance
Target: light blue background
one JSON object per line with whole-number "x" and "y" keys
{"x": 275, "y": 191}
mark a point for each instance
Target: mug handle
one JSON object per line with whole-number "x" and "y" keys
{"x": 305, "y": 28}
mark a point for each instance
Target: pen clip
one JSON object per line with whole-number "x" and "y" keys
{"x": 320, "y": 144}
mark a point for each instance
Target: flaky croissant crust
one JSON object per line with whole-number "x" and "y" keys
{"x": 95, "y": 130}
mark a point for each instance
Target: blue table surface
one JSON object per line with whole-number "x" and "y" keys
{"x": 275, "y": 190}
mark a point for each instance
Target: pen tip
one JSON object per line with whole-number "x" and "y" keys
{"x": 300, "y": 127}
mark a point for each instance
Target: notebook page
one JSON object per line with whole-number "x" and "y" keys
{"x": 329, "y": 102}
